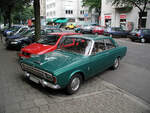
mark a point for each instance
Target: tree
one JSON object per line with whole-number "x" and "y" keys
{"x": 23, "y": 15}
{"x": 7, "y": 7}
{"x": 140, "y": 4}
{"x": 37, "y": 19}
{"x": 93, "y": 4}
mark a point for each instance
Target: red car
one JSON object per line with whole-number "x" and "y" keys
{"x": 98, "y": 30}
{"x": 44, "y": 45}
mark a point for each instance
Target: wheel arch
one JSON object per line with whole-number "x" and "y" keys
{"x": 78, "y": 72}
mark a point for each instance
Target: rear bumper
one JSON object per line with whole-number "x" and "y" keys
{"x": 43, "y": 82}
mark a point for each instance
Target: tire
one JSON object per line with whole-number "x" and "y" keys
{"x": 116, "y": 63}
{"x": 142, "y": 40}
{"x": 74, "y": 84}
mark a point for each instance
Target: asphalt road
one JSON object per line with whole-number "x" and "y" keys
{"x": 133, "y": 74}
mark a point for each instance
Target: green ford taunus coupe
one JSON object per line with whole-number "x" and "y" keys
{"x": 77, "y": 58}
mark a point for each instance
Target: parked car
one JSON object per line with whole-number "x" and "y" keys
{"x": 142, "y": 35}
{"x": 44, "y": 45}
{"x": 21, "y": 40}
{"x": 70, "y": 25}
{"x": 98, "y": 30}
{"x": 88, "y": 28}
{"x": 9, "y": 31}
{"x": 17, "y": 35}
{"x": 79, "y": 26}
{"x": 77, "y": 58}
{"x": 116, "y": 32}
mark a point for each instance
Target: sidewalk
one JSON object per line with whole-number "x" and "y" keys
{"x": 95, "y": 95}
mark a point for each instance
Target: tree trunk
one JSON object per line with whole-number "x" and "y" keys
{"x": 37, "y": 19}
{"x": 5, "y": 20}
{"x": 9, "y": 17}
{"x": 140, "y": 20}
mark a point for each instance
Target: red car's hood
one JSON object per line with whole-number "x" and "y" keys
{"x": 37, "y": 48}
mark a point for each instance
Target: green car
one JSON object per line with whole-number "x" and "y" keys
{"x": 77, "y": 58}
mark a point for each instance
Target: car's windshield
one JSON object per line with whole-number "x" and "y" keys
{"x": 28, "y": 33}
{"x": 52, "y": 30}
{"x": 49, "y": 40}
{"x": 76, "y": 45}
{"x": 116, "y": 29}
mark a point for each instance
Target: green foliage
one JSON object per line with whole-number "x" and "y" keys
{"x": 93, "y": 4}
{"x": 23, "y": 15}
{"x": 8, "y": 7}
{"x": 134, "y": 3}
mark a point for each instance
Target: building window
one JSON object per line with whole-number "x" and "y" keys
{"x": 69, "y": 11}
{"x": 144, "y": 19}
{"x": 82, "y": 12}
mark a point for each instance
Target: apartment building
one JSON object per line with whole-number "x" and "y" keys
{"x": 124, "y": 16}
{"x": 71, "y": 9}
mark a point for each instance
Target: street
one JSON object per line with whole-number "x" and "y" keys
{"x": 121, "y": 91}
{"x": 134, "y": 72}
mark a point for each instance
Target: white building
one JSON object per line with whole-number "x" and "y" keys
{"x": 71, "y": 9}
{"x": 115, "y": 16}
{"x": 43, "y": 8}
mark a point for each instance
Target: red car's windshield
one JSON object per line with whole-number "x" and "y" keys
{"x": 49, "y": 40}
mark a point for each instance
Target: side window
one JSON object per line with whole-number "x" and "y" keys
{"x": 99, "y": 46}
{"x": 109, "y": 44}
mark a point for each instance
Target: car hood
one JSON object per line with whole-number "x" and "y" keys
{"x": 14, "y": 36}
{"x": 37, "y": 48}
{"x": 54, "y": 61}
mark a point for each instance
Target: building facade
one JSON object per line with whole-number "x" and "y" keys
{"x": 71, "y": 9}
{"x": 123, "y": 16}
{"x": 43, "y": 8}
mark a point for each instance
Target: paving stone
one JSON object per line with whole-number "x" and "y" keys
{"x": 27, "y": 104}
{"x": 40, "y": 102}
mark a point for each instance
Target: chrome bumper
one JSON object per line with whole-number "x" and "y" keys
{"x": 41, "y": 81}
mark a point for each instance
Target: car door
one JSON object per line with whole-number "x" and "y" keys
{"x": 99, "y": 58}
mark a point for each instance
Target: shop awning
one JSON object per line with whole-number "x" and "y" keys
{"x": 61, "y": 20}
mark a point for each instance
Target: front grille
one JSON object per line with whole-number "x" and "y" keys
{"x": 37, "y": 72}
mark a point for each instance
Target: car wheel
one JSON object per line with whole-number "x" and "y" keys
{"x": 143, "y": 40}
{"x": 116, "y": 63}
{"x": 74, "y": 84}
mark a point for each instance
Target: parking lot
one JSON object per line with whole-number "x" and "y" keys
{"x": 125, "y": 90}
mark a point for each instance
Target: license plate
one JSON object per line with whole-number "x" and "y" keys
{"x": 34, "y": 79}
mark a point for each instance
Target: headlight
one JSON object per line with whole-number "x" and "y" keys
{"x": 14, "y": 42}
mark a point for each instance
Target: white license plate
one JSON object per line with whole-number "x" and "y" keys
{"x": 34, "y": 79}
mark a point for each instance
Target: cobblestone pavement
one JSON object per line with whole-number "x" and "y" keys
{"x": 18, "y": 95}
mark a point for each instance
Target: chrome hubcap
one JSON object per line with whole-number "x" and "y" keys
{"x": 142, "y": 40}
{"x": 75, "y": 84}
{"x": 116, "y": 63}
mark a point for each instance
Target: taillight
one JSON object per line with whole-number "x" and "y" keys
{"x": 138, "y": 35}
